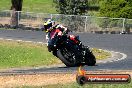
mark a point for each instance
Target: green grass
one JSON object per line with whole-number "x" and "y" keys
{"x": 46, "y": 6}
{"x": 75, "y": 85}
{"x": 5, "y": 5}
{"x": 100, "y": 54}
{"x": 19, "y": 54}
{"x": 43, "y": 6}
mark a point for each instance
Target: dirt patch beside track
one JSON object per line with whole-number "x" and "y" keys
{"x": 35, "y": 80}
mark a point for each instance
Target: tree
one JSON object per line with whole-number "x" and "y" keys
{"x": 71, "y": 7}
{"x": 116, "y": 8}
{"x": 16, "y": 6}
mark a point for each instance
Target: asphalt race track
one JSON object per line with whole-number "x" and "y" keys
{"x": 115, "y": 42}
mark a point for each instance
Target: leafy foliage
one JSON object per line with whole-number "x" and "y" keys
{"x": 76, "y": 7}
{"x": 116, "y": 8}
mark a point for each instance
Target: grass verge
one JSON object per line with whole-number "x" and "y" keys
{"x": 75, "y": 85}
{"x": 100, "y": 54}
{"x": 21, "y": 54}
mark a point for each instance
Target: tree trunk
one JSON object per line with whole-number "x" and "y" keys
{"x": 15, "y": 14}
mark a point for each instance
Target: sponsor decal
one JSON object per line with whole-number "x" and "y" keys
{"x": 83, "y": 77}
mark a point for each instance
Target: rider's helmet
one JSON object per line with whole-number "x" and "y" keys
{"x": 48, "y": 25}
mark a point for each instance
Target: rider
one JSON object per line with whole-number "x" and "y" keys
{"x": 52, "y": 29}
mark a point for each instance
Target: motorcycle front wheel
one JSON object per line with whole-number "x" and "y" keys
{"x": 68, "y": 56}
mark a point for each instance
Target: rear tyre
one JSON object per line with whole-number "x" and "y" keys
{"x": 90, "y": 59}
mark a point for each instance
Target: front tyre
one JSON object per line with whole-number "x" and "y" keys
{"x": 68, "y": 57}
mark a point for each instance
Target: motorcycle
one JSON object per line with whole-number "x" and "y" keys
{"x": 67, "y": 49}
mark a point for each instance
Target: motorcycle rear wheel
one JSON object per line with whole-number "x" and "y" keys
{"x": 90, "y": 59}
